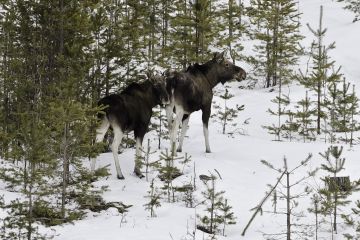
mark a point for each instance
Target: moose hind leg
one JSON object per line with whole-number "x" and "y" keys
{"x": 100, "y": 134}
{"x": 118, "y": 135}
{"x": 184, "y": 128}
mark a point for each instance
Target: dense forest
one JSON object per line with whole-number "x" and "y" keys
{"x": 59, "y": 57}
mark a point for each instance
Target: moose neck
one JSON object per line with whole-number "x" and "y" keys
{"x": 212, "y": 75}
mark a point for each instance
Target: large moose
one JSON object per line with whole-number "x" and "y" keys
{"x": 130, "y": 110}
{"x": 191, "y": 90}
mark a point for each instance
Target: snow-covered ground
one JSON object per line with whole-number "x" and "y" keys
{"x": 244, "y": 178}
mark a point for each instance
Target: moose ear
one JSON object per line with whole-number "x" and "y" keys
{"x": 169, "y": 73}
{"x": 149, "y": 73}
{"x": 218, "y": 57}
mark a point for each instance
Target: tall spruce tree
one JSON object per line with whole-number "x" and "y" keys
{"x": 319, "y": 77}
{"x": 193, "y": 30}
{"x": 231, "y": 28}
{"x": 277, "y": 31}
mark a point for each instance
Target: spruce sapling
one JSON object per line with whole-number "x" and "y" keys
{"x": 154, "y": 199}
{"x": 212, "y": 201}
{"x": 335, "y": 195}
{"x": 304, "y": 119}
{"x": 353, "y": 221}
{"x": 228, "y": 217}
{"x": 346, "y": 106}
{"x": 282, "y": 101}
{"x": 225, "y": 115}
{"x": 286, "y": 193}
{"x": 168, "y": 172}
{"x": 218, "y": 210}
{"x": 146, "y": 160}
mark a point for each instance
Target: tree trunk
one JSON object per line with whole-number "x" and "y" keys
{"x": 320, "y": 79}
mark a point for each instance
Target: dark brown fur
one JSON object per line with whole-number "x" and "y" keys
{"x": 130, "y": 110}
{"x": 192, "y": 89}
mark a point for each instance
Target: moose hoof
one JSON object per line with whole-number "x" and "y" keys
{"x": 208, "y": 151}
{"x": 120, "y": 177}
{"x": 179, "y": 150}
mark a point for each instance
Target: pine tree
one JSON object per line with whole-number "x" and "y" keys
{"x": 282, "y": 101}
{"x": 213, "y": 200}
{"x": 49, "y": 68}
{"x": 334, "y": 195}
{"x": 159, "y": 124}
{"x": 315, "y": 200}
{"x": 192, "y": 32}
{"x": 108, "y": 51}
{"x": 228, "y": 217}
{"x": 277, "y": 30}
{"x": 168, "y": 172}
{"x": 330, "y": 104}
{"x": 225, "y": 115}
{"x": 232, "y": 28}
{"x": 353, "y": 221}
{"x": 29, "y": 132}
{"x": 146, "y": 160}
{"x": 319, "y": 78}
{"x": 354, "y": 6}
{"x": 154, "y": 198}
{"x": 304, "y": 119}
{"x": 345, "y": 107}
{"x": 284, "y": 191}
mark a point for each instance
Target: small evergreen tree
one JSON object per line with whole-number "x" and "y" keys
{"x": 154, "y": 199}
{"x": 228, "y": 217}
{"x": 284, "y": 191}
{"x": 147, "y": 163}
{"x": 210, "y": 223}
{"x": 315, "y": 200}
{"x": 304, "y": 119}
{"x": 158, "y": 124}
{"x": 353, "y": 221}
{"x": 345, "y": 107}
{"x": 290, "y": 126}
{"x": 333, "y": 195}
{"x": 225, "y": 115}
{"x": 168, "y": 172}
{"x": 282, "y": 101}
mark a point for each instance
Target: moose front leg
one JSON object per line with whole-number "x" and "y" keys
{"x": 175, "y": 127}
{"x": 138, "y": 157}
{"x": 206, "y": 111}
{"x": 169, "y": 109}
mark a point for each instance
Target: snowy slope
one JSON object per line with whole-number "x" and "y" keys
{"x": 245, "y": 179}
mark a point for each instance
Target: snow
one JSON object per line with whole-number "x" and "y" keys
{"x": 237, "y": 159}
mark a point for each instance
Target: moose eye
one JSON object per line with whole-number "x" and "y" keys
{"x": 226, "y": 64}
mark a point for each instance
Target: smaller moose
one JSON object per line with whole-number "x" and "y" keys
{"x": 130, "y": 110}
{"x": 191, "y": 90}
